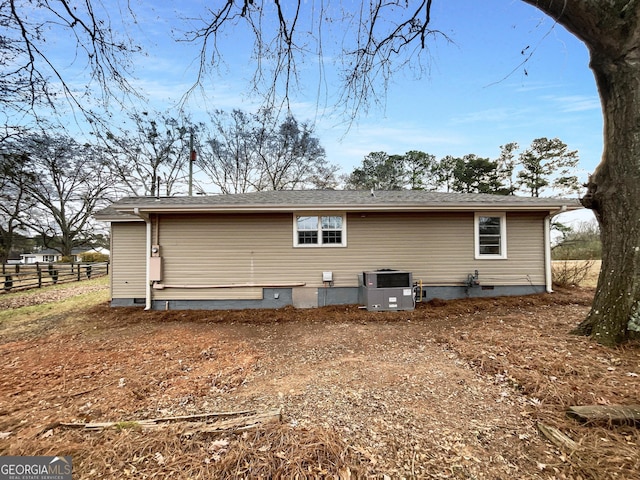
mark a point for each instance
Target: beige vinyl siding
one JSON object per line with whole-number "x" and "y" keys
{"x": 524, "y": 264}
{"x": 200, "y": 250}
{"x": 437, "y": 247}
{"x": 128, "y": 260}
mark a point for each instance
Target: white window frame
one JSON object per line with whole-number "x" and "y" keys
{"x": 343, "y": 244}
{"x": 503, "y": 235}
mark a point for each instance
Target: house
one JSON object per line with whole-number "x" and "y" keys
{"x": 50, "y": 255}
{"x": 310, "y": 248}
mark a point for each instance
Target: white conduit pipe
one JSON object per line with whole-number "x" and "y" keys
{"x": 147, "y": 221}
{"x": 547, "y": 248}
{"x": 162, "y": 286}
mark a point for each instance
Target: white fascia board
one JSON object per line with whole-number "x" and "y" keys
{"x": 342, "y": 208}
{"x": 120, "y": 219}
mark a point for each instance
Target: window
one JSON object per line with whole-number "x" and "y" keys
{"x": 319, "y": 231}
{"x": 490, "y": 235}
{"x": 49, "y": 258}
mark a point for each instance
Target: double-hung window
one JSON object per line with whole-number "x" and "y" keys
{"x": 319, "y": 231}
{"x": 490, "y": 235}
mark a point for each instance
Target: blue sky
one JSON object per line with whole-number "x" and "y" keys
{"x": 474, "y": 95}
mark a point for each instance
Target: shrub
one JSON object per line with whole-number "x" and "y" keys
{"x": 53, "y": 273}
{"x": 93, "y": 257}
{"x": 571, "y": 273}
{"x": 579, "y": 243}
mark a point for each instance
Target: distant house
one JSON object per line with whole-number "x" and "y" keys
{"x": 51, "y": 256}
{"x": 310, "y": 248}
{"x": 14, "y": 259}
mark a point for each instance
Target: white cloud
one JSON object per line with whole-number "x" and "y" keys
{"x": 574, "y": 103}
{"x": 349, "y": 150}
{"x": 493, "y": 115}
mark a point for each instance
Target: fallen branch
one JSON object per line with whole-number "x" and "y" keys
{"x": 200, "y": 416}
{"x": 122, "y": 425}
{"x": 556, "y": 437}
{"x": 608, "y": 414}
{"x": 246, "y": 419}
{"x": 237, "y": 424}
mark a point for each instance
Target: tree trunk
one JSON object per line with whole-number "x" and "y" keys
{"x": 614, "y": 195}
{"x": 611, "y": 31}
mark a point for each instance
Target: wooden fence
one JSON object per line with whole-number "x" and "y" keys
{"x": 20, "y": 277}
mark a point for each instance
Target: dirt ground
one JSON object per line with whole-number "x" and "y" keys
{"x": 453, "y": 389}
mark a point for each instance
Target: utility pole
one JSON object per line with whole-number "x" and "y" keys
{"x": 192, "y": 158}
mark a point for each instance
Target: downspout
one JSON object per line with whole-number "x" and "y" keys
{"x": 147, "y": 282}
{"x": 548, "y": 277}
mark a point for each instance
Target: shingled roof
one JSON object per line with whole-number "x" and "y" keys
{"x": 346, "y": 200}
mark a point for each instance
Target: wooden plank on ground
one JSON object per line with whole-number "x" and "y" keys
{"x": 244, "y": 420}
{"x": 613, "y": 414}
{"x": 236, "y": 424}
{"x": 556, "y": 437}
{"x": 203, "y": 416}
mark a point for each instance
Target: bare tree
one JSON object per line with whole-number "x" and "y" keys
{"x": 371, "y": 36}
{"x": 228, "y": 156}
{"x": 153, "y": 155}
{"x": 29, "y": 75}
{"x": 253, "y": 152}
{"x": 289, "y": 156}
{"x": 15, "y": 201}
{"x": 385, "y": 35}
{"x": 66, "y": 182}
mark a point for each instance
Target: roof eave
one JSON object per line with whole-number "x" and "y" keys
{"x": 133, "y": 211}
{"x": 118, "y": 218}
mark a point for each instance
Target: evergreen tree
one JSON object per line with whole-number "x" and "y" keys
{"x": 548, "y": 163}
{"x": 473, "y": 174}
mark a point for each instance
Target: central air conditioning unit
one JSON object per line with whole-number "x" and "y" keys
{"x": 388, "y": 290}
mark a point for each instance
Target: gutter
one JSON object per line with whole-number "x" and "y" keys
{"x": 547, "y": 247}
{"x": 470, "y": 207}
{"x": 147, "y": 221}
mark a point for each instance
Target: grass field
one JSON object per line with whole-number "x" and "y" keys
{"x": 27, "y": 311}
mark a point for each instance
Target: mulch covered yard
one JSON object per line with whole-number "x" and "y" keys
{"x": 453, "y": 389}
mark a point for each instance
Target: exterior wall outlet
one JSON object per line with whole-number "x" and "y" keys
{"x": 327, "y": 276}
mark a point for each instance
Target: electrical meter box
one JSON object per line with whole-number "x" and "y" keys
{"x": 155, "y": 269}
{"x": 388, "y": 290}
